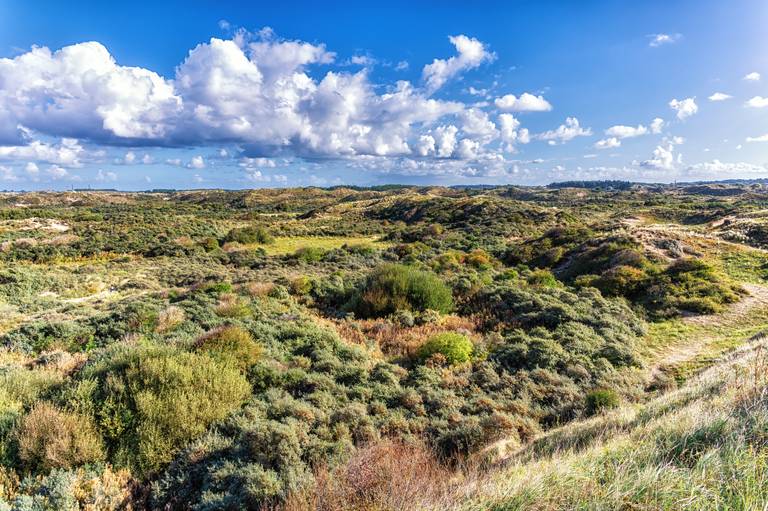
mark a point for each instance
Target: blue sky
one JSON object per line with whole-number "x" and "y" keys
{"x": 223, "y": 94}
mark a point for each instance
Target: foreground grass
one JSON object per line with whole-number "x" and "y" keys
{"x": 700, "y": 447}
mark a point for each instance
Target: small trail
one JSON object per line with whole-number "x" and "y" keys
{"x": 681, "y": 353}
{"x": 758, "y": 297}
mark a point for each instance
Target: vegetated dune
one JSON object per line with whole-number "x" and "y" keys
{"x": 385, "y": 348}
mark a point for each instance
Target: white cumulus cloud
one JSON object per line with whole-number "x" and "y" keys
{"x": 471, "y": 53}
{"x": 684, "y": 107}
{"x": 525, "y": 103}
{"x": 565, "y": 132}
{"x": 757, "y": 102}
{"x": 719, "y": 96}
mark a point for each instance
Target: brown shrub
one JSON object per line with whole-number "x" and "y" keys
{"x": 49, "y": 438}
{"x": 397, "y": 340}
{"x": 259, "y": 289}
{"x": 169, "y": 319}
{"x": 384, "y": 475}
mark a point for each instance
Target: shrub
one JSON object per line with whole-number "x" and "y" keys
{"x": 49, "y": 438}
{"x": 601, "y": 399}
{"x": 394, "y": 287}
{"x": 259, "y": 289}
{"x": 478, "y": 259}
{"x": 248, "y": 235}
{"x": 209, "y": 244}
{"x": 309, "y": 254}
{"x": 152, "y": 401}
{"x": 231, "y": 345}
{"x": 301, "y": 285}
{"x": 169, "y": 318}
{"x": 88, "y": 488}
{"x": 456, "y": 348}
{"x": 231, "y": 306}
{"x": 543, "y": 278}
{"x": 383, "y": 475}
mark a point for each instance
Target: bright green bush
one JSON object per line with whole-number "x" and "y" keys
{"x": 152, "y": 401}
{"x": 394, "y": 287}
{"x": 601, "y": 399}
{"x": 456, "y": 348}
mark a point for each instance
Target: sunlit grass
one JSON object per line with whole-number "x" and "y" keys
{"x": 289, "y": 245}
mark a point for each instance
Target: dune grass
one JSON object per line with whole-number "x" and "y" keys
{"x": 700, "y": 447}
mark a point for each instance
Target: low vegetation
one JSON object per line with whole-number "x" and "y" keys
{"x": 392, "y": 348}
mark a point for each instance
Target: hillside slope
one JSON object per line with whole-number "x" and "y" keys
{"x": 699, "y": 447}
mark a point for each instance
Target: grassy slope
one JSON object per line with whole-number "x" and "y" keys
{"x": 699, "y": 447}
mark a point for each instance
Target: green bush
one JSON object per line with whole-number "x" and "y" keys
{"x": 231, "y": 345}
{"x": 456, "y": 348}
{"x": 601, "y": 399}
{"x": 394, "y": 287}
{"x": 248, "y": 235}
{"x": 152, "y": 401}
{"x": 309, "y": 254}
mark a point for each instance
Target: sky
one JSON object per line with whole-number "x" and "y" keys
{"x": 144, "y": 95}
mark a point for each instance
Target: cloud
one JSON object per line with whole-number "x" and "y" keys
{"x": 663, "y": 159}
{"x": 684, "y": 107}
{"x": 68, "y": 152}
{"x": 80, "y": 92}
{"x": 471, "y": 53}
{"x": 7, "y": 174}
{"x": 657, "y": 40}
{"x": 619, "y": 132}
{"x": 362, "y": 60}
{"x": 525, "y": 103}
{"x": 197, "y": 162}
{"x": 253, "y": 90}
{"x": 622, "y": 131}
{"x": 719, "y": 96}
{"x": 565, "y": 132}
{"x": 757, "y": 102}
{"x": 657, "y": 125}
{"x": 477, "y": 125}
{"x": 57, "y": 173}
{"x": 608, "y": 143}
{"x": 761, "y": 138}
{"x": 511, "y": 133}
{"x": 105, "y": 176}
{"x": 402, "y": 65}
{"x": 754, "y": 76}
{"x": 717, "y": 167}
